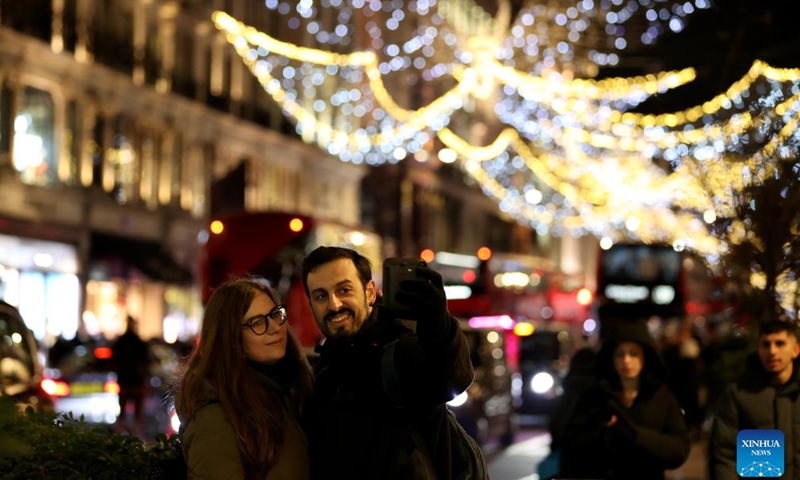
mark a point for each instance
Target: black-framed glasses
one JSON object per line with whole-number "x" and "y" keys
{"x": 259, "y": 324}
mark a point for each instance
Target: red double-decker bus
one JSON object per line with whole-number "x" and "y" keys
{"x": 520, "y": 295}
{"x": 273, "y": 245}
{"x": 638, "y": 281}
{"x": 490, "y": 283}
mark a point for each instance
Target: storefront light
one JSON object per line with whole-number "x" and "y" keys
{"x": 10, "y": 286}
{"x": 62, "y": 304}
{"x": 31, "y": 305}
{"x": 355, "y": 238}
{"x": 29, "y": 151}
{"x": 43, "y": 260}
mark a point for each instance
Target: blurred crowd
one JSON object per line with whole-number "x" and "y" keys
{"x": 633, "y": 408}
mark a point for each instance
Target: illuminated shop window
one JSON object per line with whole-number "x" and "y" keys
{"x": 34, "y": 151}
{"x": 105, "y": 308}
{"x": 9, "y": 285}
{"x": 31, "y": 307}
{"x": 62, "y": 304}
{"x": 40, "y": 278}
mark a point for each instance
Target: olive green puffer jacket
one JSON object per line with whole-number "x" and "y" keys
{"x": 211, "y": 452}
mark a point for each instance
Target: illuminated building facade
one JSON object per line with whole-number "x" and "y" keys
{"x": 124, "y": 126}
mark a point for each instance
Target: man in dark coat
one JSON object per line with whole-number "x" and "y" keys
{"x": 131, "y": 362}
{"x": 766, "y": 397}
{"x": 356, "y": 431}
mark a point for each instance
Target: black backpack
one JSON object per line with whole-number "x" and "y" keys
{"x": 467, "y": 459}
{"x": 174, "y": 465}
{"x": 169, "y": 468}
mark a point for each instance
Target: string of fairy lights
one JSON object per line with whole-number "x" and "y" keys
{"x": 572, "y": 156}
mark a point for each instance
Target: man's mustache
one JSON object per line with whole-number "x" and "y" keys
{"x": 330, "y": 316}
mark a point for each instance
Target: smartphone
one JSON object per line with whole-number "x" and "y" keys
{"x": 395, "y": 270}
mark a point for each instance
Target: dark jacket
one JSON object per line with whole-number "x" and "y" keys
{"x": 751, "y": 404}
{"x": 579, "y": 378}
{"x": 647, "y": 439}
{"x": 131, "y": 359}
{"x": 211, "y": 451}
{"x": 356, "y": 432}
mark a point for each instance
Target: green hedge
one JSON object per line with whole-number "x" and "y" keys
{"x": 48, "y": 445}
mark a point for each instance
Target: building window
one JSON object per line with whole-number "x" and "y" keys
{"x": 34, "y": 151}
{"x": 31, "y": 17}
{"x": 169, "y": 168}
{"x": 148, "y": 186}
{"x": 123, "y": 160}
{"x": 72, "y": 143}
{"x": 176, "y": 162}
{"x": 193, "y": 183}
{"x": 113, "y": 35}
{"x": 96, "y": 148}
{"x": 70, "y": 22}
{"x": 5, "y": 124}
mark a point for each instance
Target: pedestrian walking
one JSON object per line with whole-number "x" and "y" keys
{"x": 579, "y": 378}
{"x": 767, "y": 396}
{"x": 628, "y": 426}
{"x": 130, "y": 358}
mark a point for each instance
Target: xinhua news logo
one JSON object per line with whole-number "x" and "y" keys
{"x": 759, "y": 453}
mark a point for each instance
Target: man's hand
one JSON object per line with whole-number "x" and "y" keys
{"x": 425, "y": 297}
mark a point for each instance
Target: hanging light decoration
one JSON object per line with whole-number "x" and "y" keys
{"x": 570, "y": 155}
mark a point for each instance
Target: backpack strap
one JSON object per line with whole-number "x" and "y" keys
{"x": 391, "y": 382}
{"x": 391, "y": 385}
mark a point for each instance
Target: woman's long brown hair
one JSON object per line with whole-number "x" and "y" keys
{"x": 219, "y": 361}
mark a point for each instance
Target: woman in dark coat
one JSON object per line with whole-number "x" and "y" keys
{"x": 628, "y": 426}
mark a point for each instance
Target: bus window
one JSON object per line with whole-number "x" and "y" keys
{"x": 637, "y": 282}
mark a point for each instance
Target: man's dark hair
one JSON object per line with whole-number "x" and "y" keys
{"x": 777, "y": 326}
{"x": 322, "y": 255}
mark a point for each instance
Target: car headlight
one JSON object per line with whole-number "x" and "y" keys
{"x": 461, "y": 399}
{"x": 542, "y": 382}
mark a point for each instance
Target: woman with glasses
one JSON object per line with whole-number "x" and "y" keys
{"x": 244, "y": 389}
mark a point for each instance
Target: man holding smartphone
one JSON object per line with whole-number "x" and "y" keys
{"x": 355, "y": 429}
